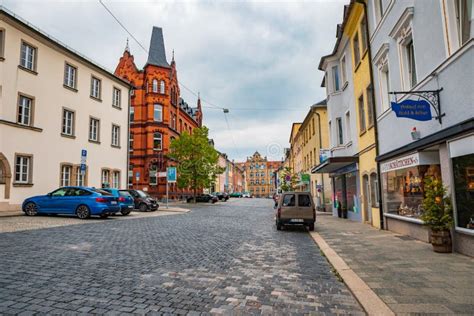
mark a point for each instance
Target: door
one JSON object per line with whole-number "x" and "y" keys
{"x": 288, "y": 206}
{"x": 305, "y": 206}
{"x": 54, "y": 202}
{"x": 366, "y": 198}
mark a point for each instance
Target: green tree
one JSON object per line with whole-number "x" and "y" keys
{"x": 197, "y": 160}
{"x": 437, "y": 210}
{"x": 288, "y": 180}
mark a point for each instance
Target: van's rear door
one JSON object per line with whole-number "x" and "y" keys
{"x": 304, "y": 206}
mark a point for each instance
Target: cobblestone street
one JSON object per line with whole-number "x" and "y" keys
{"x": 225, "y": 258}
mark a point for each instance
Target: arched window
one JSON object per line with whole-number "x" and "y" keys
{"x": 162, "y": 87}
{"x": 155, "y": 86}
{"x": 157, "y": 141}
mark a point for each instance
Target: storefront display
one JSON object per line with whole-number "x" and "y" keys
{"x": 463, "y": 170}
{"x": 403, "y": 183}
{"x": 345, "y": 187}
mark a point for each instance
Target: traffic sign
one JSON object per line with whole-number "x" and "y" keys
{"x": 172, "y": 176}
{"x": 137, "y": 175}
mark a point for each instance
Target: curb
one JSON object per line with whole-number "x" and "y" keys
{"x": 367, "y": 298}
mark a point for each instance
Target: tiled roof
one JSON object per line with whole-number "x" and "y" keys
{"x": 157, "y": 52}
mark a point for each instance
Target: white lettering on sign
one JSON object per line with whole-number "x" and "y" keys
{"x": 400, "y": 163}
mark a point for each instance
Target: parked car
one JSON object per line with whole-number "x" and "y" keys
{"x": 295, "y": 208}
{"x": 206, "y": 198}
{"x": 125, "y": 200}
{"x": 246, "y": 195}
{"x": 235, "y": 195}
{"x": 222, "y": 196}
{"x": 80, "y": 201}
{"x": 143, "y": 201}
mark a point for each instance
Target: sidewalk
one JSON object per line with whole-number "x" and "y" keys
{"x": 405, "y": 273}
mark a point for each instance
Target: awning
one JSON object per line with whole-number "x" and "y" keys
{"x": 333, "y": 164}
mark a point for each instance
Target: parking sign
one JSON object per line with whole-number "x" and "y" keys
{"x": 172, "y": 176}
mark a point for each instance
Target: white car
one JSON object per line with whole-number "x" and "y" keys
{"x": 246, "y": 195}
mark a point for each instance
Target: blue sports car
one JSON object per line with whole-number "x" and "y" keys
{"x": 125, "y": 200}
{"x": 81, "y": 201}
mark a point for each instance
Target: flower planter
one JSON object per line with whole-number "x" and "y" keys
{"x": 441, "y": 241}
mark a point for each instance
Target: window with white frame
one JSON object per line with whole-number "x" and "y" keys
{"x": 378, "y": 10}
{"x": 116, "y": 179}
{"x": 381, "y": 62}
{"x": 28, "y": 56}
{"x": 105, "y": 178}
{"x": 360, "y": 104}
{"x": 464, "y": 18}
{"x": 348, "y": 126}
{"x": 66, "y": 171}
{"x": 335, "y": 78}
{"x": 356, "y": 49}
{"x": 340, "y": 137}
{"x": 68, "y": 123}
{"x": 95, "y": 87}
{"x": 153, "y": 177}
{"x": 410, "y": 63}
{"x": 157, "y": 112}
{"x": 116, "y": 97}
{"x": 80, "y": 177}
{"x": 343, "y": 70}
{"x": 25, "y": 110}
{"x": 363, "y": 34}
{"x": 458, "y": 22}
{"x": 130, "y": 175}
{"x": 162, "y": 86}
{"x": 330, "y": 134}
{"x": 155, "y": 85}
{"x": 2, "y": 43}
{"x": 157, "y": 141}
{"x": 70, "y": 74}
{"x": 370, "y": 105}
{"x": 23, "y": 169}
{"x": 115, "y": 135}
{"x": 94, "y": 129}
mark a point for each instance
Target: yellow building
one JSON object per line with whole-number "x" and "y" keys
{"x": 260, "y": 175}
{"x": 312, "y": 135}
{"x": 295, "y": 149}
{"x": 355, "y": 28}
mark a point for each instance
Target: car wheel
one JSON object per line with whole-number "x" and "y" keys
{"x": 83, "y": 212}
{"x": 104, "y": 216}
{"x": 311, "y": 227}
{"x": 30, "y": 209}
{"x": 143, "y": 207}
{"x": 125, "y": 212}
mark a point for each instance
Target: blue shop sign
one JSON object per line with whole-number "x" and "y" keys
{"x": 419, "y": 110}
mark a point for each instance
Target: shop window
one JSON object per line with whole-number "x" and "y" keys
{"x": 403, "y": 189}
{"x": 463, "y": 170}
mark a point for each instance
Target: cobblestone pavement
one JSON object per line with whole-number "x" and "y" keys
{"x": 225, "y": 258}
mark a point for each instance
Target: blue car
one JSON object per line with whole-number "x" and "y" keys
{"x": 80, "y": 201}
{"x": 125, "y": 200}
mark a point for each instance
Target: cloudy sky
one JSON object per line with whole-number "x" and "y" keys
{"x": 258, "y": 59}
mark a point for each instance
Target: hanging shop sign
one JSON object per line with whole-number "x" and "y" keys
{"x": 305, "y": 177}
{"x": 419, "y": 109}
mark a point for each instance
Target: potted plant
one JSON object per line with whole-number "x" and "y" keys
{"x": 438, "y": 215}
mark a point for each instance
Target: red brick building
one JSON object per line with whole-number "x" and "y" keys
{"x": 157, "y": 115}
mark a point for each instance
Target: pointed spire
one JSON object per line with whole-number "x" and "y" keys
{"x": 172, "y": 58}
{"x": 127, "y": 48}
{"x": 157, "y": 52}
{"x": 199, "y": 102}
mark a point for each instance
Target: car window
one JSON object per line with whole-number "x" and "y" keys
{"x": 142, "y": 194}
{"x": 124, "y": 193}
{"x": 304, "y": 200}
{"x": 103, "y": 192}
{"x": 81, "y": 192}
{"x": 59, "y": 192}
{"x": 289, "y": 200}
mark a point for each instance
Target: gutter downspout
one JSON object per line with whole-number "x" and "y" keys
{"x": 320, "y": 146}
{"x": 374, "y": 109}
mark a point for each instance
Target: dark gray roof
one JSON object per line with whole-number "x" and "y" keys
{"x": 320, "y": 104}
{"x": 157, "y": 53}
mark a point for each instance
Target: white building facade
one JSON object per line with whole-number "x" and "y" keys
{"x": 342, "y": 165}
{"x": 423, "y": 51}
{"x": 54, "y": 105}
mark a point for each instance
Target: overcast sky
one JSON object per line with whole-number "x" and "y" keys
{"x": 258, "y": 59}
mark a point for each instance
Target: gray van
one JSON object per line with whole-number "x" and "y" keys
{"x": 295, "y": 208}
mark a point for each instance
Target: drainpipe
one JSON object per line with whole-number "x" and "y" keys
{"x": 374, "y": 109}
{"x": 322, "y": 175}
